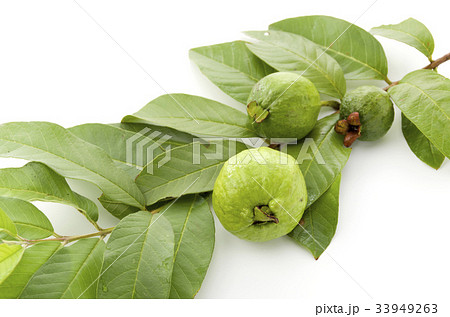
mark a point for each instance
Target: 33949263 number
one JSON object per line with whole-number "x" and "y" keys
{"x": 406, "y": 308}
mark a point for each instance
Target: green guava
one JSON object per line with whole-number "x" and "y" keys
{"x": 260, "y": 194}
{"x": 283, "y": 105}
{"x": 376, "y": 112}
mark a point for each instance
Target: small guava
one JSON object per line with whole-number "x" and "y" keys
{"x": 260, "y": 194}
{"x": 376, "y": 112}
{"x": 283, "y": 105}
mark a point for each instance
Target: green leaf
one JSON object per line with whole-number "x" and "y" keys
{"x": 124, "y": 145}
{"x": 72, "y": 272}
{"x": 193, "y": 225}
{"x": 116, "y": 209}
{"x": 318, "y": 224}
{"x": 6, "y": 224}
{"x": 139, "y": 258}
{"x": 294, "y": 53}
{"x": 358, "y": 52}
{"x": 32, "y": 259}
{"x": 195, "y": 115}
{"x": 321, "y": 157}
{"x": 131, "y": 146}
{"x": 423, "y": 96}
{"x": 112, "y": 140}
{"x": 31, "y": 223}
{"x": 411, "y": 32}
{"x": 69, "y": 156}
{"x": 192, "y": 168}
{"x": 176, "y": 137}
{"x": 121, "y": 210}
{"x": 6, "y": 236}
{"x": 232, "y": 67}
{"x": 10, "y": 256}
{"x": 37, "y": 182}
{"x": 420, "y": 145}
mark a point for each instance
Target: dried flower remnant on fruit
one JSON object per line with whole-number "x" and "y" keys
{"x": 350, "y": 128}
{"x": 263, "y": 214}
{"x": 353, "y": 119}
{"x": 342, "y": 127}
{"x": 257, "y": 112}
{"x": 351, "y": 137}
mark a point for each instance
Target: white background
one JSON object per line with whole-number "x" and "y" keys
{"x": 392, "y": 242}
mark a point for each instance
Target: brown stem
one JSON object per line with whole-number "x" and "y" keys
{"x": 433, "y": 65}
{"x": 394, "y": 83}
{"x": 438, "y": 62}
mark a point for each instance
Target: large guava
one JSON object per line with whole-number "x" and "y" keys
{"x": 376, "y": 112}
{"x": 283, "y": 105}
{"x": 260, "y": 194}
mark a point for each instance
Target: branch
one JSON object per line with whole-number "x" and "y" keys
{"x": 394, "y": 83}
{"x": 433, "y": 65}
{"x": 438, "y": 62}
{"x": 67, "y": 239}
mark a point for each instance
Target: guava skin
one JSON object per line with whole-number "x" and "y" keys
{"x": 244, "y": 183}
{"x": 375, "y": 108}
{"x": 293, "y": 104}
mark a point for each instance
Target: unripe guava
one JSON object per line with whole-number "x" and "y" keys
{"x": 376, "y": 112}
{"x": 260, "y": 194}
{"x": 283, "y": 105}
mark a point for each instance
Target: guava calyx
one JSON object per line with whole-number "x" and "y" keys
{"x": 350, "y": 127}
{"x": 257, "y": 112}
{"x": 263, "y": 214}
{"x": 342, "y": 127}
{"x": 351, "y": 137}
{"x": 353, "y": 119}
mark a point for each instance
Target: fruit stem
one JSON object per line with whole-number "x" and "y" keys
{"x": 274, "y": 146}
{"x": 330, "y": 103}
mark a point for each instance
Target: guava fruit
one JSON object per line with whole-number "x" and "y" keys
{"x": 260, "y": 194}
{"x": 375, "y": 109}
{"x": 283, "y": 105}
